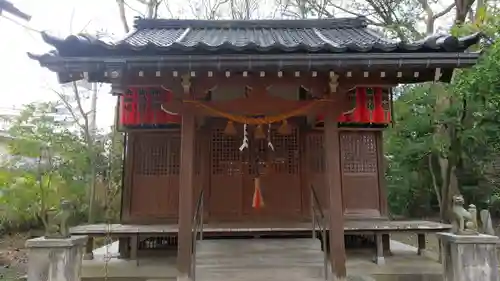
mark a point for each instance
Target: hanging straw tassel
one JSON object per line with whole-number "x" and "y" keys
{"x": 269, "y": 143}
{"x": 244, "y": 144}
{"x": 230, "y": 130}
{"x": 285, "y": 128}
{"x": 259, "y": 133}
{"x": 258, "y": 201}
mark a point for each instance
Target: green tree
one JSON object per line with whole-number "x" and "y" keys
{"x": 451, "y": 143}
{"x": 50, "y": 161}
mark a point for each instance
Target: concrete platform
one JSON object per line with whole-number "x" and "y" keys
{"x": 259, "y": 259}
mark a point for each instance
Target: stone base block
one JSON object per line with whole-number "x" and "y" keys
{"x": 55, "y": 259}
{"x": 469, "y": 257}
{"x": 184, "y": 278}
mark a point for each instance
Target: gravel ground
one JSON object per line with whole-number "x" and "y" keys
{"x": 13, "y": 257}
{"x": 432, "y": 243}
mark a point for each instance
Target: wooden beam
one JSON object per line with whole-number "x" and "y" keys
{"x": 334, "y": 185}
{"x": 184, "y": 258}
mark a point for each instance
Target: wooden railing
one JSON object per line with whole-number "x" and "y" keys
{"x": 319, "y": 228}
{"x": 197, "y": 232}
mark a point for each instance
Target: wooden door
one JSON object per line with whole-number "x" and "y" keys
{"x": 155, "y": 178}
{"x": 225, "y": 197}
{"x": 279, "y": 171}
{"x": 360, "y": 184}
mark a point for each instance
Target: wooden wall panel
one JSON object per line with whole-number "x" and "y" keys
{"x": 360, "y": 175}
{"x": 280, "y": 175}
{"x": 225, "y": 199}
{"x": 360, "y": 171}
{"x": 155, "y": 179}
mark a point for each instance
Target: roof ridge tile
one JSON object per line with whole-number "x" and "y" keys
{"x": 352, "y": 22}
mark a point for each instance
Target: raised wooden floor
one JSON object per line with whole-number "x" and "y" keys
{"x": 224, "y": 229}
{"x": 137, "y": 235}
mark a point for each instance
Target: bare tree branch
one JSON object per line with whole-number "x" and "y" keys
{"x": 64, "y": 99}
{"x": 123, "y": 16}
{"x": 167, "y": 7}
{"x": 133, "y": 9}
{"x": 445, "y": 11}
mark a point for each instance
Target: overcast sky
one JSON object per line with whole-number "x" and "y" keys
{"x": 23, "y": 80}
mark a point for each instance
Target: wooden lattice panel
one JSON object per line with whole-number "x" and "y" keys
{"x": 286, "y": 152}
{"x": 226, "y": 156}
{"x": 256, "y": 158}
{"x": 157, "y": 154}
{"x": 155, "y": 178}
{"x": 284, "y": 159}
{"x": 359, "y": 152}
{"x": 315, "y": 153}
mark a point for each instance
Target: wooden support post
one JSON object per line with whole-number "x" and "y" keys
{"x": 124, "y": 247}
{"x": 381, "y": 163}
{"x": 379, "y": 255}
{"x": 334, "y": 185}
{"x": 89, "y": 249}
{"x": 386, "y": 241}
{"x": 134, "y": 246}
{"x": 184, "y": 256}
{"x": 421, "y": 243}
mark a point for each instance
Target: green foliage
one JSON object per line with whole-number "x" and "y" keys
{"x": 473, "y": 118}
{"x": 408, "y": 145}
{"x": 52, "y": 161}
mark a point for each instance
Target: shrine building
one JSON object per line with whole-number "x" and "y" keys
{"x": 258, "y": 126}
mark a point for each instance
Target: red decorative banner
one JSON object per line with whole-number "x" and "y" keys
{"x": 140, "y": 107}
{"x": 361, "y": 113}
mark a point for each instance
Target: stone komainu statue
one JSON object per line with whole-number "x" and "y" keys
{"x": 57, "y": 227}
{"x": 463, "y": 222}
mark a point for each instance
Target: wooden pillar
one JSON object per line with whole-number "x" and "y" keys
{"x": 334, "y": 185}
{"x": 186, "y": 187}
{"x": 381, "y": 163}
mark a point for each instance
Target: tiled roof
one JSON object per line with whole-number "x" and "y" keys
{"x": 256, "y": 36}
{"x": 11, "y": 9}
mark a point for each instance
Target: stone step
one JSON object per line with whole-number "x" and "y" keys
{"x": 255, "y": 253}
{"x": 271, "y": 274}
{"x": 259, "y": 259}
{"x": 256, "y": 245}
{"x": 259, "y": 274}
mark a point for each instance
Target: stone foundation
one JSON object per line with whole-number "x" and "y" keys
{"x": 55, "y": 259}
{"x": 469, "y": 257}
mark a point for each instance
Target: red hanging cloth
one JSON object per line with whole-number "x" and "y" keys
{"x": 128, "y": 104}
{"x": 378, "y": 113}
{"x": 156, "y": 95}
{"x": 124, "y": 109}
{"x": 343, "y": 118}
{"x": 361, "y": 112}
{"x": 149, "y": 114}
{"x": 258, "y": 201}
{"x": 142, "y": 106}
